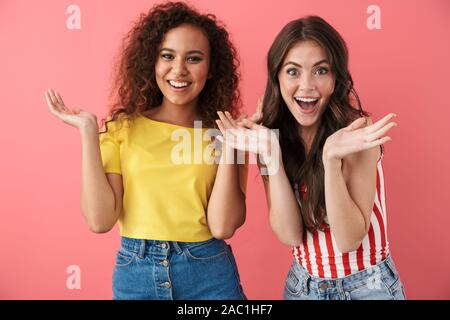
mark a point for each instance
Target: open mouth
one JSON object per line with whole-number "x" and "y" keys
{"x": 179, "y": 84}
{"x": 307, "y": 105}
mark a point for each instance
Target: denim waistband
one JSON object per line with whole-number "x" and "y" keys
{"x": 143, "y": 246}
{"x": 382, "y": 269}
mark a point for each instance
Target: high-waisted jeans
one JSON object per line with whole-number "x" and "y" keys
{"x": 166, "y": 270}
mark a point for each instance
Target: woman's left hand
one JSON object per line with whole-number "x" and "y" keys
{"x": 357, "y": 137}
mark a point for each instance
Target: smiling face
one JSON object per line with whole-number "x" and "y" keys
{"x": 306, "y": 83}
{"x": 182, "y": 66}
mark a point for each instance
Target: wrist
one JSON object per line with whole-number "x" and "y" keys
{"x": 272, "y": 161}
{"x": 89, "y": 129}
{"x": 332, "y": 163}
{"x": 227, "y": 154}
{"x": 271, "y": 151}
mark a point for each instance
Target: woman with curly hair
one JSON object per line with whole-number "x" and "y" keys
{"x": 177, "y": 69}
{"x": 324, "y": 182}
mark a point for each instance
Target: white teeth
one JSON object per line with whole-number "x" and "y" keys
{"x": 178, "y": 84}
{"x": 306, "y": 99}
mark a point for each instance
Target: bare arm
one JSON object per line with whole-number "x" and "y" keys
{"x": 284, "y": 212}
{"x": 349, "y": 201}
{"x": 101, "y": 194}
{"x": 226, "y": 205}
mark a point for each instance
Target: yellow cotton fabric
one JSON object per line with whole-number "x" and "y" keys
{"x": 163, "y": 198}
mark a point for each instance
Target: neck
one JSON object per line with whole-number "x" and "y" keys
{"x": 307, "y": 134}
{"x": 183, "y": 115}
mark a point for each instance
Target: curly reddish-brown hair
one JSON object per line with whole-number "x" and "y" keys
{"x": 134, "y": 88}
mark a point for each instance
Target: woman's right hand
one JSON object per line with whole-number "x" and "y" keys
{"x": 77, "y": 118}
{"x": 248, "y": 136}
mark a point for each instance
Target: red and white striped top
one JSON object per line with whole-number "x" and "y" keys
{"x": 319, "y": 254}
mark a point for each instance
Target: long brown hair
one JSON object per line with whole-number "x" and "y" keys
{"x": 303, "y": 168}
{"x": 134, "y": 89}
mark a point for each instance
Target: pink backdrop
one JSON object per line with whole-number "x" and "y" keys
{"x": 402, "y": 67}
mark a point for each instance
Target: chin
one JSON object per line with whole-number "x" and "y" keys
{"x": 305, "y": 121}
{"x": 179, "y": 101}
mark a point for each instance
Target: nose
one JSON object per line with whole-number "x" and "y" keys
{"x": 307, "y": 82}
{"x": 179, "y": 67}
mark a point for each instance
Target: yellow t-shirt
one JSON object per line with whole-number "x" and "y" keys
{"x": 167, "y": 179}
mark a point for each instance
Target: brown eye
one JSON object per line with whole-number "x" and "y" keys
{"x": 194, "y": 59}
{"x": 321, "y": 71}
{"x": 292, "y": 72}
{"x": 167, "y": 56}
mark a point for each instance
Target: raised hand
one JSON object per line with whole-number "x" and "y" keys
{"x": 248, "y": 136}
{"x": 357, "y": 137}
{"x": 256, "y": 117}
{"x": 77, "y": 118}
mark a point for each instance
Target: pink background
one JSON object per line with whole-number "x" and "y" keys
{"x": 402, "y": 68}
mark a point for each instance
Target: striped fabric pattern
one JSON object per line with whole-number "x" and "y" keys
{"x": 319, "y": 254}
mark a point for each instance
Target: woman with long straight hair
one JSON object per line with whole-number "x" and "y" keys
{"x": 324, "y": 182}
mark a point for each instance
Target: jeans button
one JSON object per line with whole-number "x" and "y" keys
{"x": 323, "y": 286}
{"x": 167, "y": 285}
{"x": 164, "y": 246}
{"x": 165, "y": 262}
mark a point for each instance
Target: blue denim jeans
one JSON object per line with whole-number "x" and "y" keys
{"x": 380, "y": 282}
{"x": 169, "y": 270}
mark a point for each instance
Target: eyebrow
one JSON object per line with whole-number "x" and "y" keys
{"x": 189, "y": 52}
{"x": 300, "y": 66}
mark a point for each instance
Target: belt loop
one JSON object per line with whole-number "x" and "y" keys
{"x": 391, "y": 267}
{"x": 142, "y": 249}
{"x": 177, "y": 247}
{"x": 306, "y": 284}
{"x": 305, "y": 278}
{"x": 340, "y": 288}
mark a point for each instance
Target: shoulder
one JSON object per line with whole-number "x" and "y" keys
{"x": 117, "y": 130}
{"x": 115, "y": 125}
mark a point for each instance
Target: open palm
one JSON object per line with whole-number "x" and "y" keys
{"x": 357, "y": 137}
{"x": 77, "y": 118}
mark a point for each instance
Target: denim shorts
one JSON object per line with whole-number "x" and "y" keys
{"x": 379, "y": 282}
{"x": 169, "y": 270}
